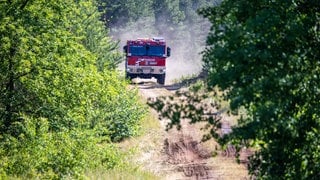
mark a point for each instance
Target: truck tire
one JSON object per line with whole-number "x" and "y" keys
{"x": 161, "y": 79}
{"x": 130, "y": 76}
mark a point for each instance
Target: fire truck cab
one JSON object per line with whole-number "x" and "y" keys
{"x": 146, "y": 58}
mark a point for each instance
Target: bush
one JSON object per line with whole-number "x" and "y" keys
{"x": 39, "y": 153}
{"x": 60, "y": 95}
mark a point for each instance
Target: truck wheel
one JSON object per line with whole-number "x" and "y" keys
{"x": 161, "y": 79}
{"x": 130, "y": 76}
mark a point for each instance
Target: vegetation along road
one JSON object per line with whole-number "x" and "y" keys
{"x": 66, "y": 112}
{"x": 181, "y": 154}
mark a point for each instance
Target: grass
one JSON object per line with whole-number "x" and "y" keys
{"x": 226, "y": 168}
{"x": 138, "y": 146}
{"x": 145, "y": 150}
{"x": 134, "y": 148}
{"x": 121, "y": 174}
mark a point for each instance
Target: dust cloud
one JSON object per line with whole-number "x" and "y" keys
{"x": 186, "y": 43}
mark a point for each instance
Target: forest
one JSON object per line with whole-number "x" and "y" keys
{"x": 64, "y": 105}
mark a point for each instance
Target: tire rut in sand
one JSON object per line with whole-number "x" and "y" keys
{"x": 188, "y": 157}
{"x": 183, "y": 155}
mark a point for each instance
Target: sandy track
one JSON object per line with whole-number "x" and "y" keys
{"x": 181, "y": 154}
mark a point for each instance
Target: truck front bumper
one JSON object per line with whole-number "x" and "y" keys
{"x": 146, "y": 70}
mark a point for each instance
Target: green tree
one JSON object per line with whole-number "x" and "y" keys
{"x": 265, "y": 56}
{"x": 168, "y": 18}
{"x": 60, "y": 95}
{"x": 94, "y": 35}
{"x": 120, "y": 12}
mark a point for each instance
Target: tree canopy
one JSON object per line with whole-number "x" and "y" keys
{"x": 175, "y": 20}
{"x": 265, "y": 56}
{"x": 60, "y": 93}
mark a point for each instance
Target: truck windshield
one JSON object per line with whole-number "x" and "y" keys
{"x": 142, "y": 50}
{"x": 156, "y": 51}
{"x": 138, "y": 50}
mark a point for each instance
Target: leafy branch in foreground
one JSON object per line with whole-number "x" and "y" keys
{"x": 265, "y": 56}
{"x": 193, "y": 105}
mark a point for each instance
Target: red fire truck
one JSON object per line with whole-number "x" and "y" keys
{"x": 146, "y": 58}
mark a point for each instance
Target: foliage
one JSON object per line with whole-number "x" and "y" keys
{"x": 40, "y": 153}
{"x": 120, "y": 116}
{"x": 121, "y": 12}
{"x": 94, "y": 35}
{"x": 176, "y": 20}
{"x": 194, "y": 105}
{"x": 60, "y": 95}
{"x": 265, "y": 56}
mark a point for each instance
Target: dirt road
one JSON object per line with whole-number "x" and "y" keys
{"x": 180, "y": 154}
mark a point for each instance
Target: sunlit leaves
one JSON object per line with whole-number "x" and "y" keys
{"x": 60, "y": 95}
{"x": 265, "y": 53}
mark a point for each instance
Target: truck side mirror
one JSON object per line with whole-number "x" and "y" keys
{"x": 168, "y": 51}
{"x": 125, "y": 49}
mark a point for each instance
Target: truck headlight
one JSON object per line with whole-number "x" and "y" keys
{"x": 162, "y": 70}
